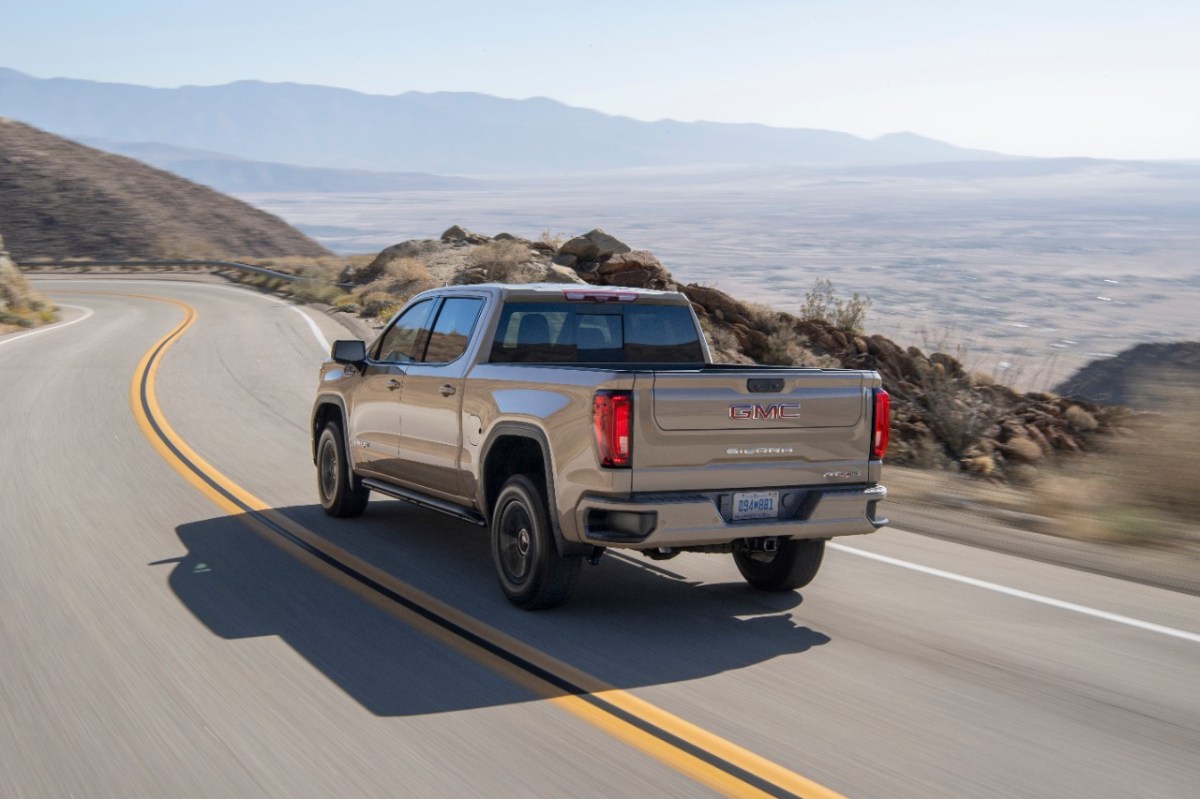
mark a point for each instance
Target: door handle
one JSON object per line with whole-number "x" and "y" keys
{"x": 447, "y": 390}
{"x": 393, "y": 384}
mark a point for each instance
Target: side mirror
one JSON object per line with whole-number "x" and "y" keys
{"x": 349, "y": 351}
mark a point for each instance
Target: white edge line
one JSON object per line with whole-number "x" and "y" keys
{"x": 322, "y": 342}
{"x": 87, "y": 312}
{"x": 1044, "y": 600}
{"x": 316, "y": 331}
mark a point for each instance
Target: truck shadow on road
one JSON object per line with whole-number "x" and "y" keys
{"x": 631, "y": 622}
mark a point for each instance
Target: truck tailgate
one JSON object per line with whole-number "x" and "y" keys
{"x": 752, "y": 428}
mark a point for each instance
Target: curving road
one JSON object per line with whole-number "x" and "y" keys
{"x": 178, "y": 618}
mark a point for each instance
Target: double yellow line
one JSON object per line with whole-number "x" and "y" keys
{"x": 704, "y": 757}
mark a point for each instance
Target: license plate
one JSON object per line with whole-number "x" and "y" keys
{"x": 755, "y": 505}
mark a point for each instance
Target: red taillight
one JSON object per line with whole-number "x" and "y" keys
{"x": 612, "y": 412}
{"x": 883, "y": 423}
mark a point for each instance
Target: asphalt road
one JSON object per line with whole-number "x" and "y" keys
{"x": 156, "y": 642}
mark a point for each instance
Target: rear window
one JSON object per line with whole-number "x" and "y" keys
{"x": 574, "y": 332}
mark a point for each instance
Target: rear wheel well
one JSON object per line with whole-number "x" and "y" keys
{"x": 511, "y": 455}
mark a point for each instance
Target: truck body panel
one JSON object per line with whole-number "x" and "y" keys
{"x": 506, "y": 377}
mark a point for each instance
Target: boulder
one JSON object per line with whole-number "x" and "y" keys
{"x": 1022, "y": 450}
{"x": 560, "y": 274}
{"x": 633, "y": 259}
{"x": 587, "y": 269}
{"x": 713, "y": 301}
{"x": 595, "y": 245}
{"x": 635, "y": 269}
{"x": 374, "y": 270}
{"x": 457, "y": 234}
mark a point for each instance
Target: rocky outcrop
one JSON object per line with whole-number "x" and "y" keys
{"x": 1136, "y": 376}
{"x": 941, "y": 414}
{"x": 416, "y": 248}
{"x": 460, "y": 235}
{"x": 595, "y": 245}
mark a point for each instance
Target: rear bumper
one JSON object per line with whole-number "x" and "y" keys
{"x": 650, "y": 521}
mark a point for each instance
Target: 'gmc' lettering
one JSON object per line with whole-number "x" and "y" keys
{"x": 778, "y": 410}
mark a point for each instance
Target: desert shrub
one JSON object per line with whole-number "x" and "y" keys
{"x": 958, "y": 411}
{"x": 379, "y": 305}
{"x": 402, "y": 278}
{"x": 555, "y": 240}
{"x": 19, "y": 320}
{"x": 1079, "y": 419}
{"x": 764, "y": 317}
{"x": 407, "y": 270}
{"x": 785, "y": 349}
{"x": 722, "y": 343}
{"x": 501, "y": 260}
{"x": 317, "y": 285}
{"x": 821, "y": 304}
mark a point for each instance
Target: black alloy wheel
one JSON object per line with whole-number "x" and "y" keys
{"x": 531, "y": 572}
{"x": 341, "y": 491}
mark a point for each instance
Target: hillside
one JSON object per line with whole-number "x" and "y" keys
{"x": 1135, "y": 377}
{"x": 453, "y": 133}
{"x": 62, "y": 199}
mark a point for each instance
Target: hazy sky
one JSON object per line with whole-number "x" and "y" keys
{"x": 1035, "y": 78}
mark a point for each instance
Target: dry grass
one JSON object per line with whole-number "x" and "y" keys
{"x": 20, "y": 305}
{"x": 784, "y": 348}
{"x": 403, "y": 277}
{"x": 555, "y": 240}
{"x": 1142, "y": 487}
{"x": 501, "y": 260}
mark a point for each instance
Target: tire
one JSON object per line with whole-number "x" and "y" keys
{"x": 341, "y": 491}
{"x": 531, "y": 572}
{"x": 792, "y": 566}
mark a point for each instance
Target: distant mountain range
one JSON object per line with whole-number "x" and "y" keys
{"x": 448, "y": 133}
{"x": 231, "y": 174}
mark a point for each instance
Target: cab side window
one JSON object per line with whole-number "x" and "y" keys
{"x": 405, "y": 339}
{"x": 452, "y": 330}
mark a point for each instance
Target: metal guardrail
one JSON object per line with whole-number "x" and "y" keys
{"x": 250, "y": 268}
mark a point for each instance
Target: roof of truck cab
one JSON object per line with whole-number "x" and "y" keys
{"x": 550, "y": 290}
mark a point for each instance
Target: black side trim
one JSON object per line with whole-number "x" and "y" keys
{"x": 322, "y": 400}
{"x": 417, "y": 498}
{"x": 525, "y": 430}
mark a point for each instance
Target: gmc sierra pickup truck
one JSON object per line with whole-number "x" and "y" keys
{"x": 569, "y": 420}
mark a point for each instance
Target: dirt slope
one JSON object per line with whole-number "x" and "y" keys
{"x": 62, "y": 199}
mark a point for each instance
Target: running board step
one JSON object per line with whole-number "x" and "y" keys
{"x": 424, "y": 501}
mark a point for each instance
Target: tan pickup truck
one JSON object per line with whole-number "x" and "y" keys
{"x": 569, "y": 420}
